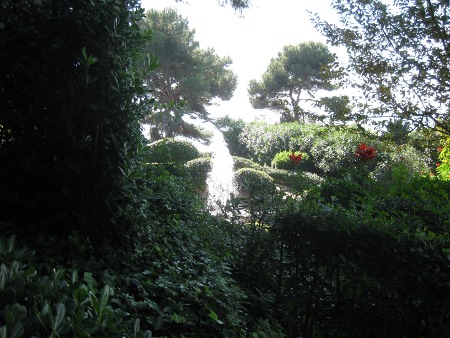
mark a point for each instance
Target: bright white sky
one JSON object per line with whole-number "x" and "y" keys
{"x": 251, "y": 41}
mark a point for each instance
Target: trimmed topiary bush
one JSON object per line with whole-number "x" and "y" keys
{"x": 296, "y": 180}
{"x": 251, "y": 182}
{"x": 241, "y": 162}
{"x": 198, "y": 170}
{"x": 172, "y": 151}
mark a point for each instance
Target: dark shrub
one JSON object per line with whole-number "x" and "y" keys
{"x": 172, "y": 151}
{"x": 198, "y": 171}
{"x": 252, "y": 181}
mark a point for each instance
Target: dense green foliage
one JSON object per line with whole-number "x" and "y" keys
{"x": 198, "y": 171}
{"x": 443, "y": 166}
{"x": 250, "y": 182}
{"x": 187, "y": 78}
{"x": 70, "y": 102}
{"x": 54, "y": 305}
{"x": 282, "y": 160}
{"x": 264, "y": 141}
{"x": 327, "y": 150}
{"x": 172, "y": 151}
{"x": 360, "y": 260}
{"x": 340, "y": 244}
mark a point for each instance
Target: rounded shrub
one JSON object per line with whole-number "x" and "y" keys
{"x": 251, "y": 182}
{"x": 172, "y": 151}
{"x": 295, "y": 180}
{"x": 241, "y": 162}
{"x": 198, "y": 170}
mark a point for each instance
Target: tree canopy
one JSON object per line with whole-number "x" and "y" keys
{"x": 238, "y": 5}
{"x": 304, "y": 68}
{"x": 188, "y": 77}
{"x": 398, "y": 56}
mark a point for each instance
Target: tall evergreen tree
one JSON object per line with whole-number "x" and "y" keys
{"x": 297, "y": 70}
{"x": 188, "y": 77}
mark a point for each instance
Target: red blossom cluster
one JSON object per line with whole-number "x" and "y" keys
{"x": 365, "y": 152}
{"x": 296, "y": 158}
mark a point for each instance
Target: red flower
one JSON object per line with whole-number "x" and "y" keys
{"x": 439, "y": 149}
{"x": 296, "y": 158}
{"x": 438, "y": 164}
{"x": 365, "y": 152}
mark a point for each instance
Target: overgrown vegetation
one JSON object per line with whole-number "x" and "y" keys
{"x": 104, "y": 235}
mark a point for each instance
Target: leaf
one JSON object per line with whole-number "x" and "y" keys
{"x": 104, "y": 297}
{"x": 214, "y": 317}
{"x": 44, "y": 311}
{"x": 178, "y": 318}
{"x": 9, "y": 318}
{"x": 94, "y": 303}
{"x": 58, "y": 275}
{"x": 2, "y": 280}
{"x": 60, "y": 314}
{"x": 17, "y": 330}
{"x": 29, "y": 273}
{"x": 136, "y": 326}
{"x": 89, "y": 279}
{"x": 83, "y": 52}
{"x": 80, "y": 294}
{"x": 74, "y": 277}
{"x": 10, "y": 245}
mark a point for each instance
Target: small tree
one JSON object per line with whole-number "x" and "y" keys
{"x": 305, "y": 68}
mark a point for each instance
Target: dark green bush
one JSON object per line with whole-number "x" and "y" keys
{"x": 241, "y": 162}
{"x": 376, "y": 253}
{"x": 172, "y": 151}
{"x": 329, "y": 149}
{"x": 173, "y": 272}
{"x": 264, "y": 140}
{"x": 253, "y": 182}
{"x": 294, "y": 180}
{"x": 282, "y": 161}
{"x": 70, "y": 104}
{"x": 58, "y": 305}
{"x": 333, "y": 150}
{"x": 198, "y": 171}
